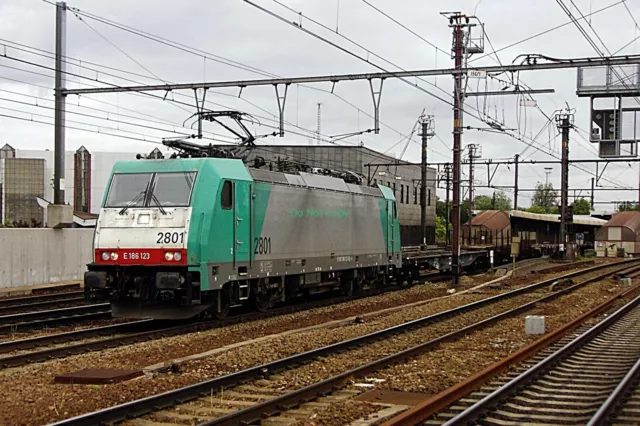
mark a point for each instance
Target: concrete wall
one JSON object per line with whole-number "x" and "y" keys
{"x": 42, "y": 256}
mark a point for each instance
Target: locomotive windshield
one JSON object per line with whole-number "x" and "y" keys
{"x": 174, "y": 189}
{"x": 151, "y": 189}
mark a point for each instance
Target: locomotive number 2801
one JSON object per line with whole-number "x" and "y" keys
{"x": 262, "y": 244}
{"x": 170, "y": 237}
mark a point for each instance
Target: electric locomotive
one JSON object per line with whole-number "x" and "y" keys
{"x": 178, "y": 238}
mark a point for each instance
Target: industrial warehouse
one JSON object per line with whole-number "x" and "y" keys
{"x": 319, "y": 213}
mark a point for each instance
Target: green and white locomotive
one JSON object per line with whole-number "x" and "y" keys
{"x": 182, "y": 237}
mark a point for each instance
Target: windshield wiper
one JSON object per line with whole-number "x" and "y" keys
{"x": 132, "y": 202}
{"x": 155, "y": 200}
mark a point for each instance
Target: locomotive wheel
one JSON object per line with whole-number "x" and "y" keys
{"x": 225, "y": 295}
{"x": 351, "y": 287}
{"x": 261, "y": 297}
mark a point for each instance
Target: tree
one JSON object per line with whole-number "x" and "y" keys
{"x": 483, "y": 202}
{"x": 501, "y": 201}
{"x": 441, "y": 210}
{"x": 498, "y": 201}
{"x": 535, "y": 209}
{"x": 441, "y": 230}
{"x": 581, "y": 206}
{"x": 545, "y": 197}
{"x": 628, "y": 206}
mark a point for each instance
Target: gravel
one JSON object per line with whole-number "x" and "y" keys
{"x": 28, "y": 393}
{"x": 454, "y": 361}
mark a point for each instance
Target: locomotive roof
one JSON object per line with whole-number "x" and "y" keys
{"x": 312, "y": 180}
{"x": 223, "y": 167}
{"x": 236, "y": 169}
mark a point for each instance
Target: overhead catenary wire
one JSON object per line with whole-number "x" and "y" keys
{"x": 233, "y": 96}
{"x": 309, "y": 132}
{"x": 265, "y": 148}
{"x": 542, "y": 151}
{"x": 522, "y": 139}
{"x": 215, "y": 58}
{"x": 549, "y": 30}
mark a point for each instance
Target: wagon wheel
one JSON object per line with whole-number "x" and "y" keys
{"x": 225, "y": 307}
{"x": 400, "y": 276}
{"x": 261, "y": 295}
{"x": 409, "y": 276}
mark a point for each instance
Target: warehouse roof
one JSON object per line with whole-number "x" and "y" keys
{"x": 578, "y": 219}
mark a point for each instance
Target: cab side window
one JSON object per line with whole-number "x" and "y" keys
{"x": 226, "y": 196}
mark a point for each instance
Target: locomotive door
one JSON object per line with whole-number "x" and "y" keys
{"x": 242, "y": 221}
{"x": 391, "y": 215}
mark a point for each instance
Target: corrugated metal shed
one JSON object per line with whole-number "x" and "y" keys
{"x": 629, "y": 220}
{"x": 492, "y": 220}
{"x": 622, "y": 232}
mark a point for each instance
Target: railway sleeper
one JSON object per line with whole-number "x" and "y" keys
{"x": 531, "y": 417}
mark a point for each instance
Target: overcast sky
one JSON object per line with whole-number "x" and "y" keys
{"x": 236, "y": 31}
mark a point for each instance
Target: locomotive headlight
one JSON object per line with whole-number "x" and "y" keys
{"x": 177, "y": 256}
{"x": 168, "y": 256}
{"x": 114, "y": 256}
{"x": 105, "y": 255}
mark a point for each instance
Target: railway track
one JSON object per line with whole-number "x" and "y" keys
{"x": 579, "y": 380}
{"x": 48, "y": 347}
{"x": 29, "y": 320}
{"x": 19, "y": 352}
{"x": 31, "y": 303}
{"x": 260, "y": 391}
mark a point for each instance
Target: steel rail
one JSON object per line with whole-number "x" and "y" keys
{"x": 63, "y": 320}
{"x": 68, "y": 350}
{"x": 606, "y": 411}
{"x": 472, "y": 413}
{"x": 11, "y": 302}
{"x": 442, "y": 400}
{"x": 145, "y": 405}
{"x": 254, "y": 413}
{"x": 42, "y": 304}
{"x": 140, "y": 336}
{"x": 51, "y": 339}
{"x": 30, "y": 320}
{"x": 54, "y": 313}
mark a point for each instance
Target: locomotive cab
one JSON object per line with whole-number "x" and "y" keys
{"x": 141, "y": 239}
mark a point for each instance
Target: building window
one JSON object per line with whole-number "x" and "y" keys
{"x": 394, "y": 188}
{"x": 415, "y": 195}
{"x": 408, "y": 193}
{"x": 429, "y": 197}
{"x": 401, "y": 193}
{"x": 226, "y": 197}
{"x": 375, "y": 182}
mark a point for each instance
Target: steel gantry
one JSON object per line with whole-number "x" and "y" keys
{"x": 461, "y": 70}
